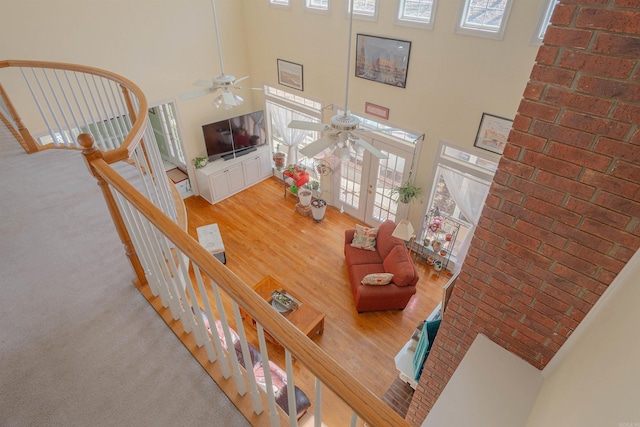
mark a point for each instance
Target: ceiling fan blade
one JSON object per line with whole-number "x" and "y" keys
{"x": 317, "y": 146}
{"x": 300, "y": 124}
{"x": 241, "y": 79}
{"x": 195, "y": 94}
{"x": 370, "y": 148}
{"x": 229, "y": 99}
{"x": 203, "y": 83}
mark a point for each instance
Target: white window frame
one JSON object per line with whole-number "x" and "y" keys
{"x": 461, "y": 28}
{"x": 544, "y": 19}
{"x": 479, "y": 166}
{"x": 363, "y": 16}
{"x": 400, "y": 19}
{"x": 282, "y": 4}
{"x": 298, "y": 104}
{"x": 308, "y": 7}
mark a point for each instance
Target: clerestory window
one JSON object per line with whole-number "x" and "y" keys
{"x": 483, "y": 18}
{"x": 281, "y": 3}
{"x": 364, "y": 9}
{"x": 416, "y": 13}
{"x": 317, "y": 6}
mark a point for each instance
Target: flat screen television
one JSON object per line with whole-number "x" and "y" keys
{"x": 234, "y": 137}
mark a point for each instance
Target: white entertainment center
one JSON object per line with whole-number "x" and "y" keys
{"x": 223, "y": 178}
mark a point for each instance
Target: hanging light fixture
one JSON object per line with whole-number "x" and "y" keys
{"x": 219, "y": 101}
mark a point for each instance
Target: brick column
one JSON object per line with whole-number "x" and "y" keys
{"x": 563, "y": 213}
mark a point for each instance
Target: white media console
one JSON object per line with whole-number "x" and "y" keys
{"x": 223, "y": 178}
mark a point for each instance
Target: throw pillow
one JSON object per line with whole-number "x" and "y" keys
{"x": 377, "y": 279}
{"x": 364, "y": 238}
{"x": 399, "y": 263}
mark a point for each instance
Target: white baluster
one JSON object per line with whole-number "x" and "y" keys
{"x": 239, "y": 379}
{"x": 291, "y": 391}
{"x": 246, "y": 356}
{"x": 273, "y": 412}
{"x": 317, "y": 415}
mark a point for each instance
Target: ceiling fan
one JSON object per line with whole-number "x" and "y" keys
{"x": 223, "y": 82}
{"x": 339, "y": 130}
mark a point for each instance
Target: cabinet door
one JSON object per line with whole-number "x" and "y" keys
{"x": 227, "y": 182}
{"x": 219, "y": 183}
{"x": 236, "y": 178}
{"x": 251, "y": 169}
{"x": 203, "y": 186}
{"x": 266, "y": 170}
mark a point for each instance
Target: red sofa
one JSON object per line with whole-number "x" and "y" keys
{"x": 390, "y": 256}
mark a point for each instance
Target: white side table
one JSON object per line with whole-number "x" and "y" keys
{"x": 210, "y": 239}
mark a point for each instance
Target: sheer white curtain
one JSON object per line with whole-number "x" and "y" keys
{"x": 469, "y": 195}
{"x": 280, "y": 118}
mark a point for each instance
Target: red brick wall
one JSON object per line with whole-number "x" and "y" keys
{"x": 562, "y": 215}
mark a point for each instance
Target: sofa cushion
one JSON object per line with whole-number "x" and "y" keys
{"x": 385, "y": 241}
{"x": 356, "y": 256}
{"x": 377, "y": 279}
{"x": 399, "y": 263}
{"x": 365, "y": 238}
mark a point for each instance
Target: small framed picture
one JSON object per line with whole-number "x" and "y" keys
{"x": 493, "y": 133}
{"x": 376, "y": 110}
{"x": 290, "y": 74}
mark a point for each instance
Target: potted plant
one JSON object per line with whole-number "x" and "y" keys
{"x": 304, "y": 195}
{"x": 200, "y": 162}
{"x": 406, "y": 192}
{"x": 318, "y": 208}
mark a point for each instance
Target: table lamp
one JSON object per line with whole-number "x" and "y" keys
{"x": 404, "y": 231}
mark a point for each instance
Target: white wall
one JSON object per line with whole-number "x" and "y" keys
{"x": 492, "y": 387}
{"x": 594, "y": 380}
{"x": 165, "y": 45}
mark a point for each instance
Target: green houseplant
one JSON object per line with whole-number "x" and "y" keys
{"x": 406, "y": 192}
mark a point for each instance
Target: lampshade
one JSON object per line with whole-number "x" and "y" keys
{"x": 404, "y": 230}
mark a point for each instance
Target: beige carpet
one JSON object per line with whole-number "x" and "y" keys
{"x": 79, "y": 345}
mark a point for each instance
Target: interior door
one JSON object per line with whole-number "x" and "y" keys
{"x": 365, "y": 182}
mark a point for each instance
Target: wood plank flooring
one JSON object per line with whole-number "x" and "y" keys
{"x": 264, "y": 235}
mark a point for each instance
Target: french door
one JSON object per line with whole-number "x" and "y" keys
{"x": 364, "y": 182}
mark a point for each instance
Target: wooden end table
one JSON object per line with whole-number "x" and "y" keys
{"x": 308, "y": 319}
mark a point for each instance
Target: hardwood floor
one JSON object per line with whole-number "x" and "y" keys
{"x": 264, "y": 235}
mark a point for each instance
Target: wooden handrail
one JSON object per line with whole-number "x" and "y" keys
{"x": 319, "y": 363}
{"x": 135, "y": 134}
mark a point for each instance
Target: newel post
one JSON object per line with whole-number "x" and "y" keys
{"x": 91, "y": 153}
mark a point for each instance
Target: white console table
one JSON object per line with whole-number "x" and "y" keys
{"x": 223, "y": 178}
{"x": 404, "y": 358}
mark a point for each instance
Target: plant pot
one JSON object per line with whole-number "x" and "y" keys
{"x": 278, "y": 158}
{"x": 318, "y": 208}
{"x": 305, "y": 197}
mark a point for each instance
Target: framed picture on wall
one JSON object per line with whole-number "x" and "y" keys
{"x": 382, "y": 60}
{"x": 290, "y": 74}
{"x": 493, "y": 133}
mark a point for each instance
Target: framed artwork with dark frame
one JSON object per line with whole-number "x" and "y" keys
{"x": 382, "y": 59}
{"x": 290, "y": 74}
{"x": 493, "y": 133}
